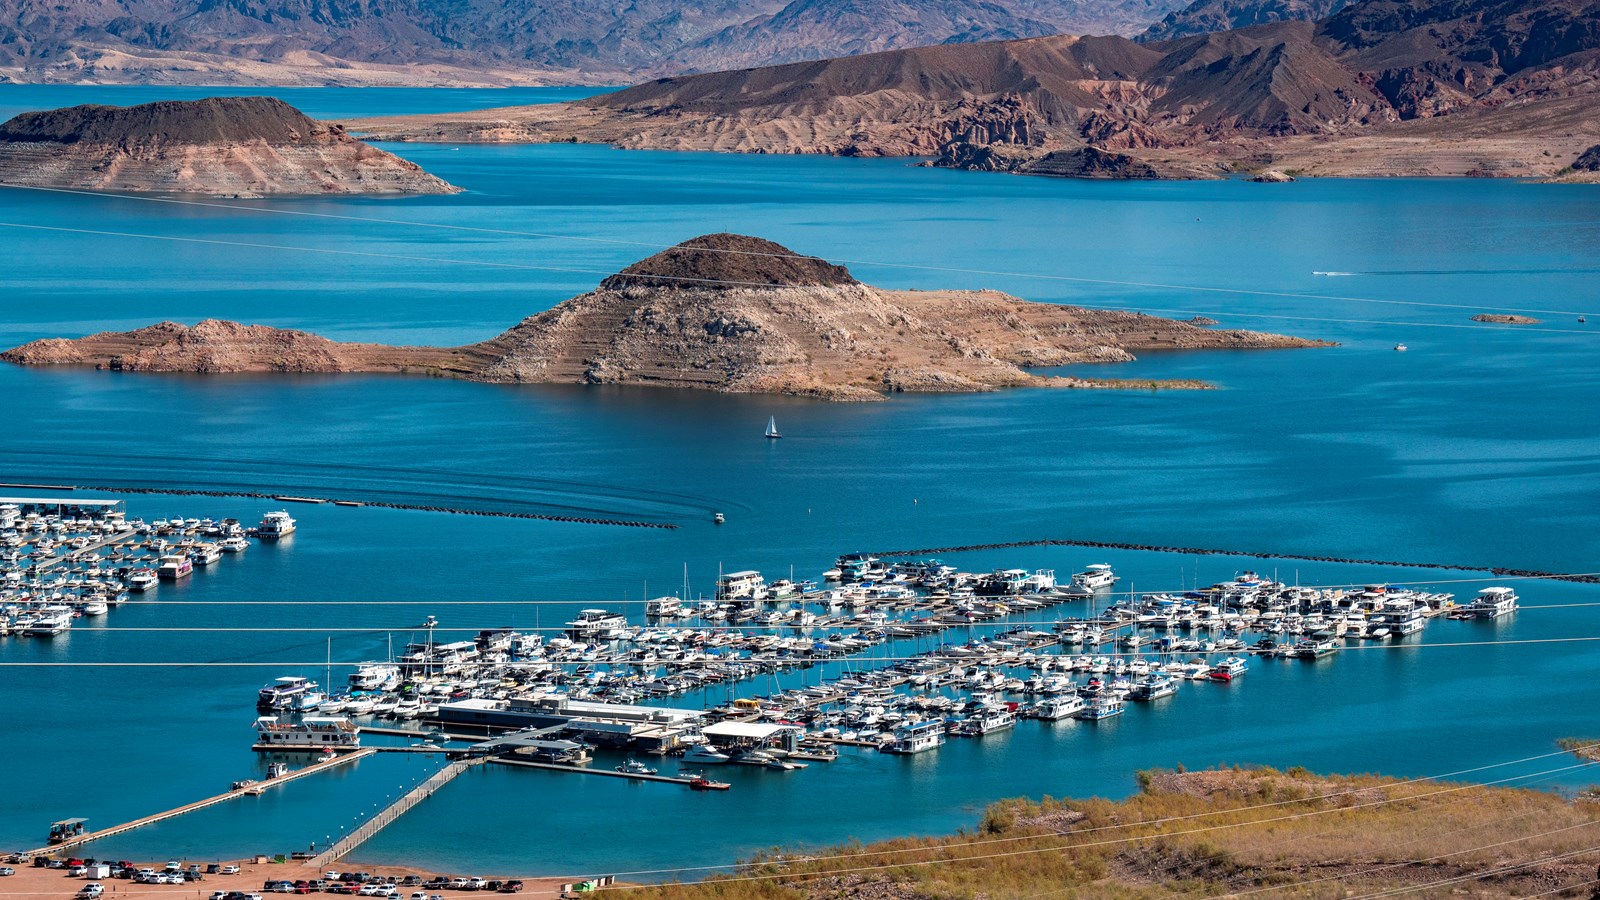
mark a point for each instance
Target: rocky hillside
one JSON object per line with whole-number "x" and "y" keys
{"x": 1507, "y": 86}
{"x": 426, "y": 42}
{"x": 234, "y": 146}
{"x": 1206, "y": 16}
{"x": 721, "y": 312}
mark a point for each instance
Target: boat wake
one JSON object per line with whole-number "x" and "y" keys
{"x": 426, "y": 489}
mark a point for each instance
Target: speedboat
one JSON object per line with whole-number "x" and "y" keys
{"x": 634, "y": 767}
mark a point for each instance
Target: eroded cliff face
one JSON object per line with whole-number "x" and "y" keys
{"x": 721, "y": 312}
{"x": 223, "y": 146}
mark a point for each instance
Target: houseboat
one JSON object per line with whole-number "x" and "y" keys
{"x": 283, "y": 693}
{"x": 916, "y": 738}
{"x": 990, "y": 720}
{"x": 664, "y": 608}
{"x": 312, "y": 733}
{"x": 374, "y": 676}
{"x": 1493, "y": 602}
{"x": 1229, "y": 669}
{"x": 1153, "y": 687}
{"x": 275, "y": 525}
{"x": 174, "y": 567}
{"x": 205, "y": 554}
{"x": 597, "y": 625}
{"x": 1103, "y": 706}
{"x": 1097, "y": 577}
{"x": 748, "y": 585}
{"x": 142, "y": 580}
{"x": 1052, "y": 709}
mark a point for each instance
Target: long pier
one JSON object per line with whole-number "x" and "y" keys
{"x": 395, "y": 810}
{"x": 249, "y": 790}
{"x": 609, "y": 773}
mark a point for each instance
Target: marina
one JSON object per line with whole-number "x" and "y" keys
{"x": 1470, "y": 449}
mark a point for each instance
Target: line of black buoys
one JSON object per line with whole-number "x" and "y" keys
{"x": 543, "y": 517}
{"x": 1212, "y": 551}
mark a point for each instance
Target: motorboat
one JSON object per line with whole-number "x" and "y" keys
{"x": 634, "y": 767}
{"x": 235, "y": 544}
{"x": 705, "y": 754}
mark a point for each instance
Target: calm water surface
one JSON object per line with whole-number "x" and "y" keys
{"x": 1478, "y": 447}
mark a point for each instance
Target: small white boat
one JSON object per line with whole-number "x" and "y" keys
{"x": 1401, "y": 348}
{"x": 234, "y": 544}
{"x": 704, "y": 754}
{"x": 772, "y": 428}
{"x": 634, "y": 767}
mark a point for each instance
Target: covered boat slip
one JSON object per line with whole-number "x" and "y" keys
{"x": 753, "y": 735}
{"x": 60, "y": 506}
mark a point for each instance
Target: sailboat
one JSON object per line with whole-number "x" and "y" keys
{"x": 772, "y": 428}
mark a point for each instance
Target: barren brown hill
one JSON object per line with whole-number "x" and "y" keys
{"x": 1239, "y": 832}
{"x": 237, "y": 146}
{"x": 1506, "y": 87}
{"x": 721, "y": 312}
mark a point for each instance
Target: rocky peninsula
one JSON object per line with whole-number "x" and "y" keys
{"x": 220, "y": 146}
{"x": 720, "y": 312}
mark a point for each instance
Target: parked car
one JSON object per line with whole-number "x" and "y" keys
{"x": 230, "y": 870}
{"x": 7, "y": 870}
{"x": 92, "y": 889}
{"x": 476, "y": 884}
{"x": 219, "y": 895}
{"x": 511, "y": 887}
{"x": 173, "y": 866}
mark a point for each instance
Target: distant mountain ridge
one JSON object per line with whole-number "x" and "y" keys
{"x": 490, "y": 41}
{"x": 1207, "y": 16}
{"x": 1462, "y": 87}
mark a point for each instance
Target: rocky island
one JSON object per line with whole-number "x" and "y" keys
{"x": 1505, "y": 319}
{"x": 220, "y": 146}
{"x": 720, "y": 312}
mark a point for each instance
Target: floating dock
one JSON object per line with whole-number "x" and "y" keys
{"x": 393, "y": 811}
{"x": 247, "y": 791}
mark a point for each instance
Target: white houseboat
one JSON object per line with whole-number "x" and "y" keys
{"x": 275, "y": 525}
{"x": 312, "y": 733}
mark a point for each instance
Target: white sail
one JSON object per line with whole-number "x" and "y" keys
{"x": 772, "y": 427}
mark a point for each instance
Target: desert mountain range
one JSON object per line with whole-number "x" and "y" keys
{"x": 489, "y": 42}
{"x": 1381, "y": 87}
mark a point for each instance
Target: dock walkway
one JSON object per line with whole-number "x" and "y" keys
{"x": 249, "y": 790}
{"x": 395, "y": 810}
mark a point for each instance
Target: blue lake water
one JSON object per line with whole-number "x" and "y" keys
{"x": 1477, "y": 446}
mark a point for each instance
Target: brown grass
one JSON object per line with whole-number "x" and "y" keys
{"x": 1210, "y": 833}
